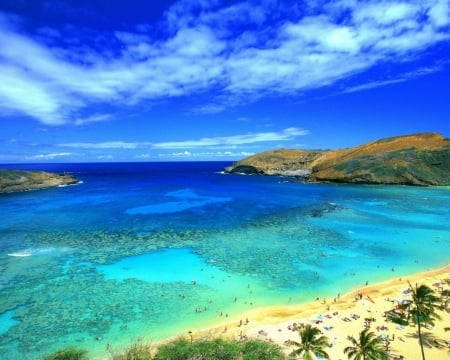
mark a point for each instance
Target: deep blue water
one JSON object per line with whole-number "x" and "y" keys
{"x": 158, "y": 249}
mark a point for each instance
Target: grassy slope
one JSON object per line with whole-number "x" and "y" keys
{"x": 18, "y": 180}
{"x": 419, "y": 159}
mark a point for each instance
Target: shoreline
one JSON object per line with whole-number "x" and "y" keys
{"x": 272, "y": 323}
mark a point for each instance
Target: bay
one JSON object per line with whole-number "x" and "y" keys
{"x": 155, "y": 250}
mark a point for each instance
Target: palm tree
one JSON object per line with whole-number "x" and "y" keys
{"x": 312, "y": 344}
{"x": 367, "y": 347}
{"x": 423, "y": 308}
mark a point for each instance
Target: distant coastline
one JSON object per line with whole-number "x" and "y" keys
{"x": 12, "y": 181}
{"x": 417, "y": 159}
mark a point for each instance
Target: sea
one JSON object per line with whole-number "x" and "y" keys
{"x": 149, "y": 251}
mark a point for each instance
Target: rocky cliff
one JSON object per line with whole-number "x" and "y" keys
{"x": 18, "y": 180}
{"x": 418, "y": 159}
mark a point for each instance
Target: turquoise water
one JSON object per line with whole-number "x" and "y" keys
{"x": 157, "y": 250}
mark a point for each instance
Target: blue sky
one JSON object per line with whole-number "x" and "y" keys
{"x": 87, "y": 80}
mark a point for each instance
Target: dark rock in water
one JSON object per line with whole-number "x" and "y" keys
{"x": 319, "y": 210}
{"x": 19, "y": 180}
{"x": 418, "y": 159}
{"x": 246, "y": 169}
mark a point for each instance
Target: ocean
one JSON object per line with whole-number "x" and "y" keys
{"x": 154, "y": 250}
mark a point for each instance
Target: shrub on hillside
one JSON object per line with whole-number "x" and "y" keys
{"x": 69, "y": 353}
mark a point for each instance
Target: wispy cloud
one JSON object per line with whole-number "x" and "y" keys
{"x": 405, "y": 77}
{"x": 105, "y": 145}
{"x": 188, "y": 155}
{"x": 212, "y": 142}
{"x": 374, "y": 84}
{"x": 286, "y": 134}
{"x": 93, "y": 118}
{"x": 105, "y": 157}
{"x": 50, "y": 156}
{"x": 235, "y": 54}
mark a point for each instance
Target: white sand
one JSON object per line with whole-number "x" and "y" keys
{"x": 346, "y": 316}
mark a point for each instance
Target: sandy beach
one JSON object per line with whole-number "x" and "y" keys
{"x": 348, "y": 314}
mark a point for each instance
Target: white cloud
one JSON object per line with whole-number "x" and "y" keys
{"x": 184, "y": 153}
{"x": 405, "y": 77}
{"x": 207, "y": 155}
{"x": 104, "y": 145}
{"x": 201, "y": 53}
{"x": 50, "y": 156}
{"x": 228, "y": 141}
{"x": 342, "y": 38}
{"x": 386, "y": 12}
{"x": 93, "y": 118}
{"x": 105, "y": 157}
{"x": 374, "y": 84}
{"x": 284, "y": 135}
{"x": 209, "y": 109}
{"x": 439, "y": 13}
{"x": 22, "y": 92}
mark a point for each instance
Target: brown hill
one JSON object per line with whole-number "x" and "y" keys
{"x": 418, "y": 159}
{"x": 18, "y": 180}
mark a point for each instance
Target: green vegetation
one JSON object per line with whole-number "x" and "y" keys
{"x": 261, "y": 350}
{"x": 182, "y": 349}
{"x": 203, "y": 349}
{"x": 423, "y": 309}
{"x": 21, "y": 180}
{"x": 137, "y": 351}
{"x": 367, "y": 347}
{"x": 69, "y": 353}
{"x": 420, "y": 159}
{"x": 312, "y": 344}
{"x": 398, "y": 319}
{"x": 219, "y": 349}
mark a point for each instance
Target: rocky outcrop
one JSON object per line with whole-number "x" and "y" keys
{"x": 289, "y": 162}
{"x": 419, "y": 159}
{"x": 19, "y": 180}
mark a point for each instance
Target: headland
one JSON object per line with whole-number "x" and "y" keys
{"x": 19, "y": 180}
{"x": 417, "y": 159}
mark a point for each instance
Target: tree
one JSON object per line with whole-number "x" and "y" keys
{"x": 367, "y": 347}
{"x": 423, "y": 308}
{"x": 312, "y": 344}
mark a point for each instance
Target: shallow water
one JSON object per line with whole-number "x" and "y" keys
{"x": 155, "y": 250}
